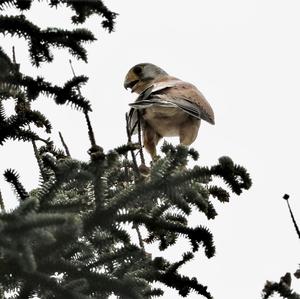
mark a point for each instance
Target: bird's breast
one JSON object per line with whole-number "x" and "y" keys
{"x": 165, "y": 121}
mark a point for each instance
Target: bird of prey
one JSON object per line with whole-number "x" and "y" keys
{"x": 166, "y": 106}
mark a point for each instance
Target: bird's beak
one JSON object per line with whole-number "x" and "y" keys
{"x": 130, "y": 81}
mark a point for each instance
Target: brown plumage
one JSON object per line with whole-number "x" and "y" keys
{"x": 168, "y": 106}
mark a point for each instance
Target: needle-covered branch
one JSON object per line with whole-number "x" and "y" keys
{"x": 283, "y": 288}
{"x": 40, "y": 41}
{"x": 73, "y": 235}
{"x": 82, "y": 9}
{"x": 12, "y": 177}
{"x": 38, "y": 86}
{"x": 162, "y": 226}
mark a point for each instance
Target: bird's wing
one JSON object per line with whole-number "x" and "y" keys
{"x": 188, "y": 98}
{"x": 172, "y": 92}
{"x": 142, "y": 104}
{"x": 133, "y": 119}
{"x": 146, "y": 99}
{"x": 159, "y": 100}
{"x": 187, "y": 106}
{"x": 157, "y": 86}
{"x": 176, "y": 93}
{"x": 152, "y": 101}
{"x": 167, "y": 82}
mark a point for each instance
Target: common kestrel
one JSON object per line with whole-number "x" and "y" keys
{"x": 167, "y": 106}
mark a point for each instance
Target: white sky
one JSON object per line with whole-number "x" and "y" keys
{"x": 244, "y": 56}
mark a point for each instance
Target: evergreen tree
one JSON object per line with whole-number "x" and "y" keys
{"x": 67, "y": 238}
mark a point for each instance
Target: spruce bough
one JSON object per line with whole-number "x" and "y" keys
{"x": 67, "y": 238}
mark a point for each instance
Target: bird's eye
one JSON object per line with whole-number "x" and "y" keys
{"x": 137, "y": 70}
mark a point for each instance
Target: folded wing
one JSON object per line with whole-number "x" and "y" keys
{"x": 172, "y": 93}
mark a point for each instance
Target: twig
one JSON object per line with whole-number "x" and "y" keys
{"x": 286, "y": 197}
{"x": 140, "y": 138}
{"x": 135, "y": 166}
{"x": 141, "y": 242}
{"x": 64, "y": 144}
{"x": 90, "y": 128}
{"x": 138, "y": 152}
{"x": 138, "y": 175}
{"x": 17, "y": 65}
{"x": 38, "y": 159}
{"x": 14, "y": 55}
{"x": 2, "y": 206}
{"x": 35, "y": 150}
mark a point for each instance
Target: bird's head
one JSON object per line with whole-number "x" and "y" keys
{"x": 141, "y": 76}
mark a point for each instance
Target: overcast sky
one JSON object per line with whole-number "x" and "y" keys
{"x": 244, "y": 55}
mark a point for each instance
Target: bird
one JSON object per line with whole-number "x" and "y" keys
{"x": 166, "y": 106}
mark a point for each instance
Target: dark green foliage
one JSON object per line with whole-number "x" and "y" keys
{"x": 68, "y": 237}
{"x": 24, "y": 89}
{"x": 283, "y": 288}
{"x": 6, "y": 66}
{"x": 82, "y": 9}
{"x": 39, "y": 41}
{"x": 20, "y": 4}
{"x": 234, "y": 176}
{"x": 12, "y": 177}
{"x": 82, "y": 231}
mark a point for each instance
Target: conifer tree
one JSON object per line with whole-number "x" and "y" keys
{"x": 66, "y": 238}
